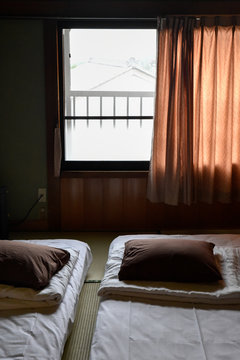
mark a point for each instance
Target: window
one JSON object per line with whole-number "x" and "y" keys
{"x": 108, "y": 97}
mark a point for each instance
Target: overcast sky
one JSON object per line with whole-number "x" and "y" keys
{"x": 113, "y": 44}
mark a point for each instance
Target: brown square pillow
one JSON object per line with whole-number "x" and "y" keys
{"x": 29, "y": 265}
{"x": 169, "y": 260}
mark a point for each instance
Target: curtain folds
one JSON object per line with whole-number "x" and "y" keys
{"x": 196, "y": 142}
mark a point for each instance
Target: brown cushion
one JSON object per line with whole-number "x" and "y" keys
{"x": 169, "y": 260}
{"x": 29, "y": 265}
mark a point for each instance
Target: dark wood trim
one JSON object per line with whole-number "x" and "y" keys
{"x": 112, "y": 165}
{"x": 104, "y": 174}
{"x": 115, "y": 8}
{"x": 52, "y": 118}
{"x": 109, "y": 23}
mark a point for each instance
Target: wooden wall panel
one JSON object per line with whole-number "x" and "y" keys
{"x": 72, "y": 204}
{"x": 180, "y": 216}
{"x": 135, "y": 203}
{"x": 155, "y": 217}
{"x": 113, "y": 203}
{"x": 225, "y": 215}
{"x": 93, "y": 203}
{"x": 120, "y": 204}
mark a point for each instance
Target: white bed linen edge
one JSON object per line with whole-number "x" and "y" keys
{"x": 223, "y": 292}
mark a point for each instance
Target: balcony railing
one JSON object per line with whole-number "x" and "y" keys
{"x": 109, "y": 105}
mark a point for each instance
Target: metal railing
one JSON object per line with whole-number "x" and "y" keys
{"x": 72, "y": 113}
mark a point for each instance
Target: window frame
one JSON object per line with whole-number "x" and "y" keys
{"x": 67, "y": 165}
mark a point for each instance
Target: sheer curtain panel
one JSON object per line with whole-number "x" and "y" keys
{"x": 196, "y": 142}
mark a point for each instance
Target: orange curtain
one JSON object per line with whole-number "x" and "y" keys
{"x": 196, "y": 142}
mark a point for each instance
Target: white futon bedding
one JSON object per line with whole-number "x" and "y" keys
{"x": 34, "y": 325}
{"x": 135, "y": 324}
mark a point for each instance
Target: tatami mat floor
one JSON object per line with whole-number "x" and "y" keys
{"x": 78, "y": 345}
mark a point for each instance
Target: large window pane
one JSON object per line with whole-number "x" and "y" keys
{"x": 108, "y": 143}
{"x": 109, "y": 72}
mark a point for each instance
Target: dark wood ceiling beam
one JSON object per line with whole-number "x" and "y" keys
{"x": 114, "y": 8}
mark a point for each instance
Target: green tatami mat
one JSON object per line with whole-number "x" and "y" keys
{"x": 79, "y": 342}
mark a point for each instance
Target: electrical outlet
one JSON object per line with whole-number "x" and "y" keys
{"x": 43, "y": 192}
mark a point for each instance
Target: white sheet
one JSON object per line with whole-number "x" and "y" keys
{"x": 35, "y": 334}
{"x": 226, "y": 291}
{"x": 154, "y": 329}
